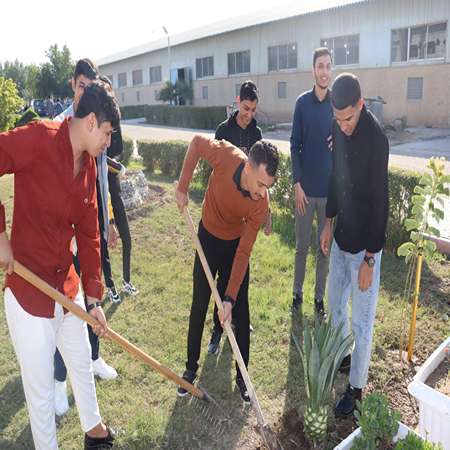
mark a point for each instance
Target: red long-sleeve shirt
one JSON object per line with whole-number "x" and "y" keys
{"x": 50, "y": 207}
{"x": 227, "y": 214}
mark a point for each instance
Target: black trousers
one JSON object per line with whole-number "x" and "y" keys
{"x": 220, "y": 255}
{"x": 121, "y": 219}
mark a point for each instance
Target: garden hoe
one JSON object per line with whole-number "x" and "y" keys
{"x": 269, "y": 437}
{"x": 197, "y": 392}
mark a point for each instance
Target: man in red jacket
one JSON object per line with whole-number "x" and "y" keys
{"x": 55, "y": 199}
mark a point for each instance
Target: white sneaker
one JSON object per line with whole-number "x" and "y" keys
{"x": 61, "y": 401}
{"x": 102, "y": 370}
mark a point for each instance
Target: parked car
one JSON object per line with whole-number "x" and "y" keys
{"x": 38, "y": 106}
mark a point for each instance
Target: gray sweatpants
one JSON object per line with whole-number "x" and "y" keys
{"x": 303, "y": 227}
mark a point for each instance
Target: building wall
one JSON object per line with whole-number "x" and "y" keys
{"x": 373, "y": 21}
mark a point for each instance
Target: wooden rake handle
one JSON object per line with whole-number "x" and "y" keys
{"x": 237, "y": 353}
{"x": 76, "y": 310}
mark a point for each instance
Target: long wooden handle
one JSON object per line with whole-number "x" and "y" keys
{"x": 76, "y": 310}
{"x": 237, "y": 353}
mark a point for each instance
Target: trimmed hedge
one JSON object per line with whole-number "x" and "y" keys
{"x": 206, "y": 118}
{"x": 168, "y": 157}
{"x": 127, "y": 150}
{"x": 132, "y": 112}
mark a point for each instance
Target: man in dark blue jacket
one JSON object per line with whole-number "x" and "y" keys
{"x": 311, "y": 169}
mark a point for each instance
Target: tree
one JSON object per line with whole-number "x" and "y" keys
{"x": 10, "y": 103}
{"x": 179, "y": 93}
{"x": 52, "y": 78}
{"x": 15, "y": 71}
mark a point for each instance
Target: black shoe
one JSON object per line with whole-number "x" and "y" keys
{"x": 297, "y": 301}
{"x": 345, "y": 365}
{"x": 242, "y": 389}
{"x": 189, "y": 376}
{"x": 99, "y": 443}
{"x": 320, "y": 310}
{"x": 347, "y": 403}
{"x": 213, "y": 346}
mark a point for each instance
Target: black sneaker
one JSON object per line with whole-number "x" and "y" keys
{"x": 320, "y": 309}
{"x": 213, "y": 346}
{"x": 113, "y": 295}
{"x": 347, "y": 403}
{"x": 99, "y": 443}
{"x": 297, "y": 301}
{"x": 345, "y": 365}
{"x": 240, "y": 383}
{"x": 189, "y": 376}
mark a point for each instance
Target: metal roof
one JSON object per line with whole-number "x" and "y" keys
{"x": 228, "y": 25}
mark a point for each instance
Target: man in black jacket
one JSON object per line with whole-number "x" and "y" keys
{"x": 241, "y": 130}
{"x": 358, "y": 198}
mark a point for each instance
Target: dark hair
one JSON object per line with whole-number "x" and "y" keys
{"x": 99, "y": 99}
{"x": 87, "y": 68}
{"x": 263, "y": 152}
{"x": 106, "y": 80}
{"x": 248, "y": 91}
{"x": 321, "y": 51}
{"x": 346, "y": 91}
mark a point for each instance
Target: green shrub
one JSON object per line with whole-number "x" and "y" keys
{"x": 10, "y": 103}
{"x": 186, "y": 116}
{"x": 27, "y": 117}
{"x": 379, "y": 424}
{"x": 167, "y": 156}
{"x": 401, "y": 190}
{"x": 414, "y": 442}
{"x": 127, "y": 151}
{"x": 132, "y": 112}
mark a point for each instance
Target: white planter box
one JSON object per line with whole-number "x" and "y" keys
{"x": 347, "y": 443}
{"x": 434, "y": 407}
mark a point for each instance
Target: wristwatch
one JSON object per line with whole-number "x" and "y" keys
{"x": 93, "y": 305}
{"x": 370, "y": 260}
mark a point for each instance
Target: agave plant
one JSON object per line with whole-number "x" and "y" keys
{"x": 321, "y": 352}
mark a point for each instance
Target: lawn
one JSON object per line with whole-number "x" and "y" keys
{"x": 142, "y": 406}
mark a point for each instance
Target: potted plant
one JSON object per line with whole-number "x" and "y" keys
{"x": 434, "y": 406}
{"x": 380, "y": 429}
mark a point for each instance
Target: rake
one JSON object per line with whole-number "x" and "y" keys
{"x": 269, "y": 437}
{"x": 197, "y": 392}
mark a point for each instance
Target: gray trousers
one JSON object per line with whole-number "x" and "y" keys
{"x": 303, "y": 228}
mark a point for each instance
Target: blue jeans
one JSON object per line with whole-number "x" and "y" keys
{"x": 343, "y": 284}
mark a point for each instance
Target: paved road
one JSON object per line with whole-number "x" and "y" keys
{"x": 411, "y": 156}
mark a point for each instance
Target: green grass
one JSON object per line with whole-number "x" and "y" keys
{"x": 141, "y": 404}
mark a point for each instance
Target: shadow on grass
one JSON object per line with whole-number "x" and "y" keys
{"x": 189, "y": 426}
{"x": 13, "y": 392}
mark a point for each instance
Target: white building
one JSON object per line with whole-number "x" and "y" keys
{"x": 397, "y": 48}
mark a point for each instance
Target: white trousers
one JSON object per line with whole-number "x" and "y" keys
{"x": 35, "y": 340}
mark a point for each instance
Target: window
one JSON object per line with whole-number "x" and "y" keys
{"x": 419, "y": 43}
{"x": 155, "y": 74}
{"x": 205, "y": 92}
{"x": 344, "y": 49}
{"x": 204, "y": 67}
{"x": 415, "y": 88}
{"x": 138, "y": 96}
{"x": 137, "y": 77}
{"x": 122, "y": 78}
{"x": 283, "y": 57}
{"x": 282, "y": 89}
{"x": 239, "y": 62}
